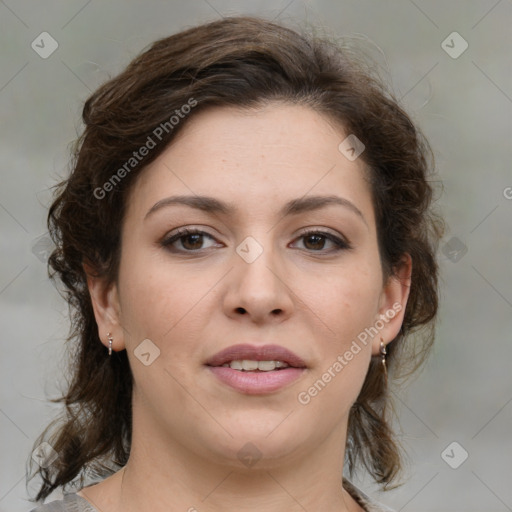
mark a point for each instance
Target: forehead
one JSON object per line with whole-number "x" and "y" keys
{"x": 259, "y": 157}
{"x": 283, "y": 131}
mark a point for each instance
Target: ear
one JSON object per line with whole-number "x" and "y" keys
{"x": 105, "y": 303}
{"x": 393, "y": 301}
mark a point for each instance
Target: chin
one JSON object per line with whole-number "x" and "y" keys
{"x": 262, "y": 444}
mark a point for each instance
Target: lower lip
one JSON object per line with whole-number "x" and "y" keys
{"x": 256, "y": 383}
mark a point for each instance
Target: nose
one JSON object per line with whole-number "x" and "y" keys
{"x": 259, "y": 290}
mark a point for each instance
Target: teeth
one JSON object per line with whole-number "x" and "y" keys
{"x": 235, "y": 365}
{"x": 266, "y": 366}
{"x": 249, "y": 365}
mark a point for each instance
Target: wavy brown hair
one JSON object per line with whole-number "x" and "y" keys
{"x": 244, "y": 62}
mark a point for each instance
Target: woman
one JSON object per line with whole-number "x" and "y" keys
{"x": 247, "y": 244}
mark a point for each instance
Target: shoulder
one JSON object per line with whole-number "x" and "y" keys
{"x": 367, "y": 503}
{"x": 70, "y": 503}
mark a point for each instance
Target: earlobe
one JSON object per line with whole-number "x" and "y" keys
{"x": 105, "y": 303}
{"x": 392, "y": 305}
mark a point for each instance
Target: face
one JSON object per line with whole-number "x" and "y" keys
{"x": 251, "y": 229}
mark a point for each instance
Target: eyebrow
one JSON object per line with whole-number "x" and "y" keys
{"x": 294, "y": 207}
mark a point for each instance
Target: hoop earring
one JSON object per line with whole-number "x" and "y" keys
{"x": 383, "y": 353}
{"x": 110, "y": 340}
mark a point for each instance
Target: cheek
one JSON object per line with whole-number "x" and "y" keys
{"x": 162, "y": 302}
{"x": 150, "y": 305}
{"x": 352, "y": 306}
{"x": 348, "y": 308}
{"x": 162, "y": 305}
{"x": 347, "y": 301}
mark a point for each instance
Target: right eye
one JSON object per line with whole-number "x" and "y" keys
{"x": 187, "y": 240}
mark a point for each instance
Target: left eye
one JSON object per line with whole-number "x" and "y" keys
{"x": 316, "y": 240}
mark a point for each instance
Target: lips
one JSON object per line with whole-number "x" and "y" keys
{"x": 256, "y": 382}
{"x": 256, "y": 353}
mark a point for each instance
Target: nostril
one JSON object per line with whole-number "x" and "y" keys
{"x": 241, "y": 310}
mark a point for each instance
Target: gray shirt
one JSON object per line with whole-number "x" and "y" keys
{"x": 74, "y": 503}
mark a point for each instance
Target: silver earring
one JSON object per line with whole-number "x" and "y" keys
{"x": 110, "y": 340}
{"x": 383, "y": 353}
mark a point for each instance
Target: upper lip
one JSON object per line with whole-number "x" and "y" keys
{"x": 256, "y": 353}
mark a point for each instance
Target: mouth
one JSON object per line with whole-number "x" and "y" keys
{"x": 250, "y": 358}
{"x": 251, "y": 365}
{"x": 256, "y": 370}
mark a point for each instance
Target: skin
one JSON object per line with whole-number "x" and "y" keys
{"x": 299, "y": 293}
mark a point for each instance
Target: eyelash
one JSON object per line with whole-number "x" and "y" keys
{"x": 340, "y": 243}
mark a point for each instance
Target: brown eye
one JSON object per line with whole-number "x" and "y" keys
{"x": 315, "y": 241}
{"x": 192, "y": 242}
{"x": 187, "y": 240}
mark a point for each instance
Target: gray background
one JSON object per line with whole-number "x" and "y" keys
{"x": 464, "y": 106}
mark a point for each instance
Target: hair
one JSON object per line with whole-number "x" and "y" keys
{"x": 243, "y": 62}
